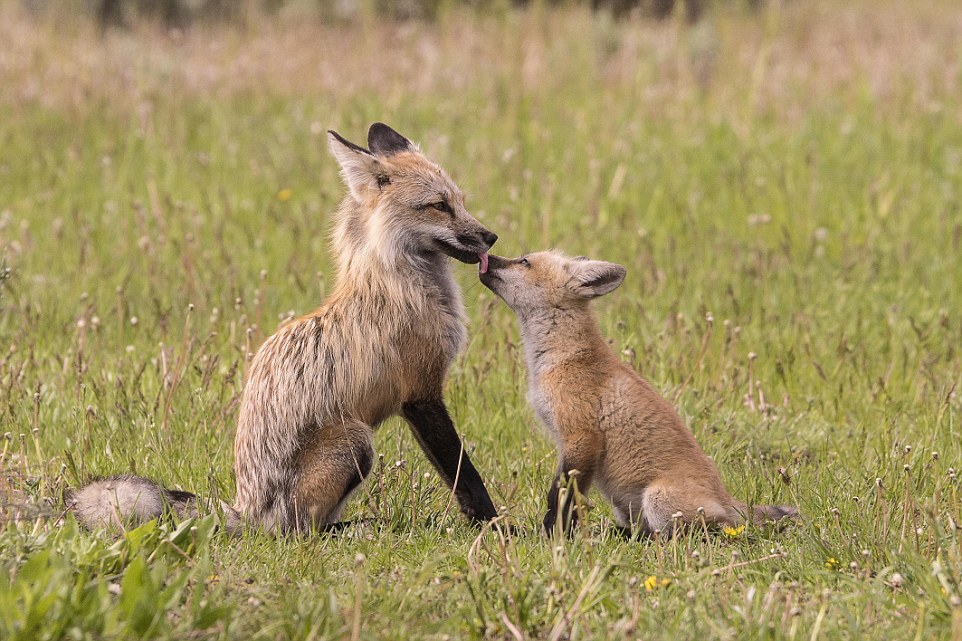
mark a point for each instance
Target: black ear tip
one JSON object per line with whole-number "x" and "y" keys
{"x": 385, "y": 141}
{"x": 380, "y": 131}
{"x": 619, "y": 274}
{"x": 347, "y": 143}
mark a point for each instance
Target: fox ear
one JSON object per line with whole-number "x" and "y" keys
{"x": 593, "y": 278}
{"x": 384, "y": 141}
{"x": 360, "y": 169}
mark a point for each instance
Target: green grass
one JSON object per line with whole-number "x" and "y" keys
{"x": 795, "y": 175}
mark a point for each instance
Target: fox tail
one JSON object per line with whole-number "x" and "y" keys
{"x": 125, "y": 500}
{"x": 768, "y": 513}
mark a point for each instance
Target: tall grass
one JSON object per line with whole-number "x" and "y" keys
{"x": 783, "y": 188}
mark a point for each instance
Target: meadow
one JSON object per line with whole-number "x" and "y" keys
{"x": 783, "y": 186}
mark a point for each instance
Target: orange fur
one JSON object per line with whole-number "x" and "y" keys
{"x": 610, "y": 425}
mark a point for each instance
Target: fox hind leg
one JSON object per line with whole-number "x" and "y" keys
{"x": 655, "y": 508}
{"x": 331, "y": 466}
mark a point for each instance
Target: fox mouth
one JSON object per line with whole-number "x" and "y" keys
{"x": 493, "y": 282}
{"x": 488, "y": 278}
{"x": 457, "y": 252}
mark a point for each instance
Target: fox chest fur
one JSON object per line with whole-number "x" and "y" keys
{"x": 567, "y": 402}
{"x": 362, "y": 355}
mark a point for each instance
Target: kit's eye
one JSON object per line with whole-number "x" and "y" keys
{"x": 525, "y": 262}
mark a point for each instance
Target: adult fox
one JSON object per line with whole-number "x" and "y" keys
{"x": 380, "y": 345}
{"x": 609, "y": 423}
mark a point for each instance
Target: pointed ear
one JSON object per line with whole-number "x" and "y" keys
{"x": 593, "y": 278}
{"x": 384, "y": 141}
{"x": 360, "y": 169}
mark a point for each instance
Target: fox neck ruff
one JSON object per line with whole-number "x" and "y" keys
{"x": 556, "y": 336}
{"x": 415, "y": 285}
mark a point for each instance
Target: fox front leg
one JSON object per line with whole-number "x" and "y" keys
{"x": 434, "y": 430}
{"x": 571, "y": 479}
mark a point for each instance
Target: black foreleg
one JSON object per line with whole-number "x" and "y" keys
{"x": 574, "y": 476}
{"x": 434, "y": 430}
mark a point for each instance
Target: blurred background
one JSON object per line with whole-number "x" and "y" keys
{"x": 184, "y": 12}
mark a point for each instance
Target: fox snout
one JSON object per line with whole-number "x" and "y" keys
{"x": 497, "y": 262}
{"x": 469, "y": 246}
{"x": 483, "y": 238}
{"x": 489, "y": 275}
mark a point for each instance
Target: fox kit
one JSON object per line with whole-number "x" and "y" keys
{"x": 610, "y": 425}
{"x": 379, "y": 346}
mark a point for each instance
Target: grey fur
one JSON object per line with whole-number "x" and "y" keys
{"x": 316, "y": 390}
{"x": 119, "y": 501}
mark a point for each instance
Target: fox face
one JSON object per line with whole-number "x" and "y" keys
{"x": 549, "y": 280}
{"x": 407, "y": 204}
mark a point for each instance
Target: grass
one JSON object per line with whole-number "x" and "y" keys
{"x": 783, "y": 187}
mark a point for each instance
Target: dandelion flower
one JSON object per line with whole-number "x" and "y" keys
{"x": 652, "y": 583}
{"x": 284, "y": 195}
{"x": 733, "y": 532}
{"x": 831, "y": 563}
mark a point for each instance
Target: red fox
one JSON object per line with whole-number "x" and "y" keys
{"x": 379, "y": 346}
{"x": 610, "y": 425}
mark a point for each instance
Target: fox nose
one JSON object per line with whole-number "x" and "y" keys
{"x": 489, "y": 237}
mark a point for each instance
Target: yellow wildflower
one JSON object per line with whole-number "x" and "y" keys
{"x": 733, "y": 532}
{"x": 652, "y": 583}
{"x": 284, "y": 195}
{"x": 831, "y": 563}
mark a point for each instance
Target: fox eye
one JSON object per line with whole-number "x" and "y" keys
{"x": 440, "y": 205}
{"x": 525, "y": 262}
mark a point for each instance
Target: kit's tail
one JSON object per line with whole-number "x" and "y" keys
{"x": 132, "y": 500}
{"x": 769, "y": 513}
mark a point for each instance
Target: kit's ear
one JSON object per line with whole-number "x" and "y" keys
{"x": 593, "y": 278}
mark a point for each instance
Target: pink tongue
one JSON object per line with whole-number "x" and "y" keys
{"x": 483, "y": 265}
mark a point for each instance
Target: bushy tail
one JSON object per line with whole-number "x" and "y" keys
{"x": 769, "y": 513}
{"x": 128, "y": 500}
